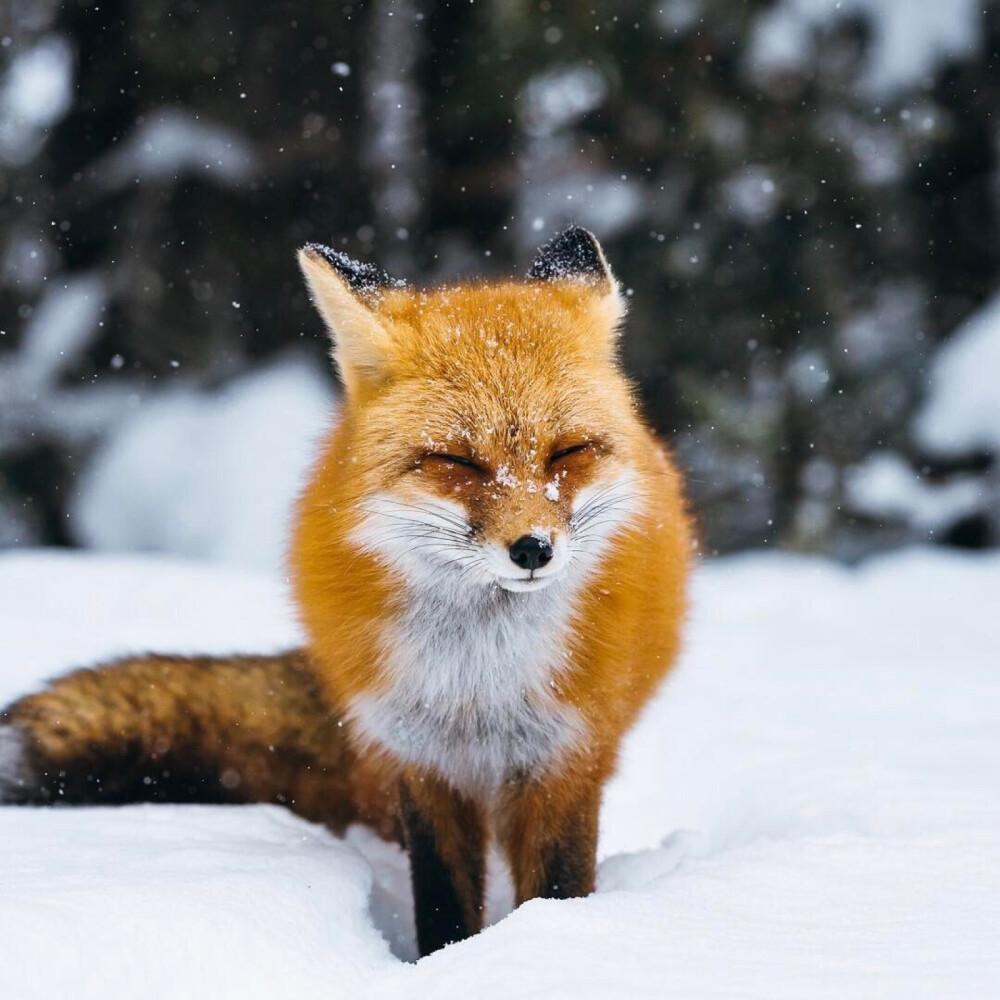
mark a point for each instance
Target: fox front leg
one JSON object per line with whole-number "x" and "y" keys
{"x": 550, "y": 836}
{"x": 445, "y": 837}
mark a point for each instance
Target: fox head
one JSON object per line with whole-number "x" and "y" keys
{"x": 487, "y": 429}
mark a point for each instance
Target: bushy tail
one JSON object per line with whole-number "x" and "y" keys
{"x": 178, "y": 729}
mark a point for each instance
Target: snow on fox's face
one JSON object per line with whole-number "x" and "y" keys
{"x": 489, "y": 432}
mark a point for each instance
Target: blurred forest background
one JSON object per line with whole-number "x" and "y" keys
{"x": 801, "y": 197}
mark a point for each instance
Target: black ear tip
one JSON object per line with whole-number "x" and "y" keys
{"x": 364, "y": 278}
{"x": 574, "y": 253}
{"x": 318, "y": 251}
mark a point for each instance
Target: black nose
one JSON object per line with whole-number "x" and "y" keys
{"x": 531, "y": 552}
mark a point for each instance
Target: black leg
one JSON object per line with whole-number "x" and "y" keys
{"x": 444, "y": 838}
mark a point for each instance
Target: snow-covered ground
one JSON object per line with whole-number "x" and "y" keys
{"x": 810, "y": 809}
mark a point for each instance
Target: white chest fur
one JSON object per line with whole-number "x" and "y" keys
{"x": 473, "y": 685}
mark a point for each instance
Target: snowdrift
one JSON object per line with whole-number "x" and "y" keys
{"x": 810, "y": 809}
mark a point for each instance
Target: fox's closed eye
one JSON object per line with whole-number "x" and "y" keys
{"x": 566, "y": 452}
{"x": 454, "y": 460}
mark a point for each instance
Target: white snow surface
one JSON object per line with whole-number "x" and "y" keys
{"x": 61, "y": 328}
{"x": 204, "y": 474}
{"x": 171, "y": 143}
{"x": 38, "y": 87}
{"x": 886, "y": 485}
{"x": 35, "y": 92}
{"x": 555, "y": 99}
{"x": 962, "y": 409}
{"x": 809, "y": 809}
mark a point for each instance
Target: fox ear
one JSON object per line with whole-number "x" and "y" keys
{"x": 346, "y": 293}
{"x": 575, "y": 255}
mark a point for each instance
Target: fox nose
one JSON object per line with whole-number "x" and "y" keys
{"x": 531, "y": 552}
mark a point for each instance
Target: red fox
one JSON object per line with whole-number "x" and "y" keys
{"x": 490, "y": 562}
